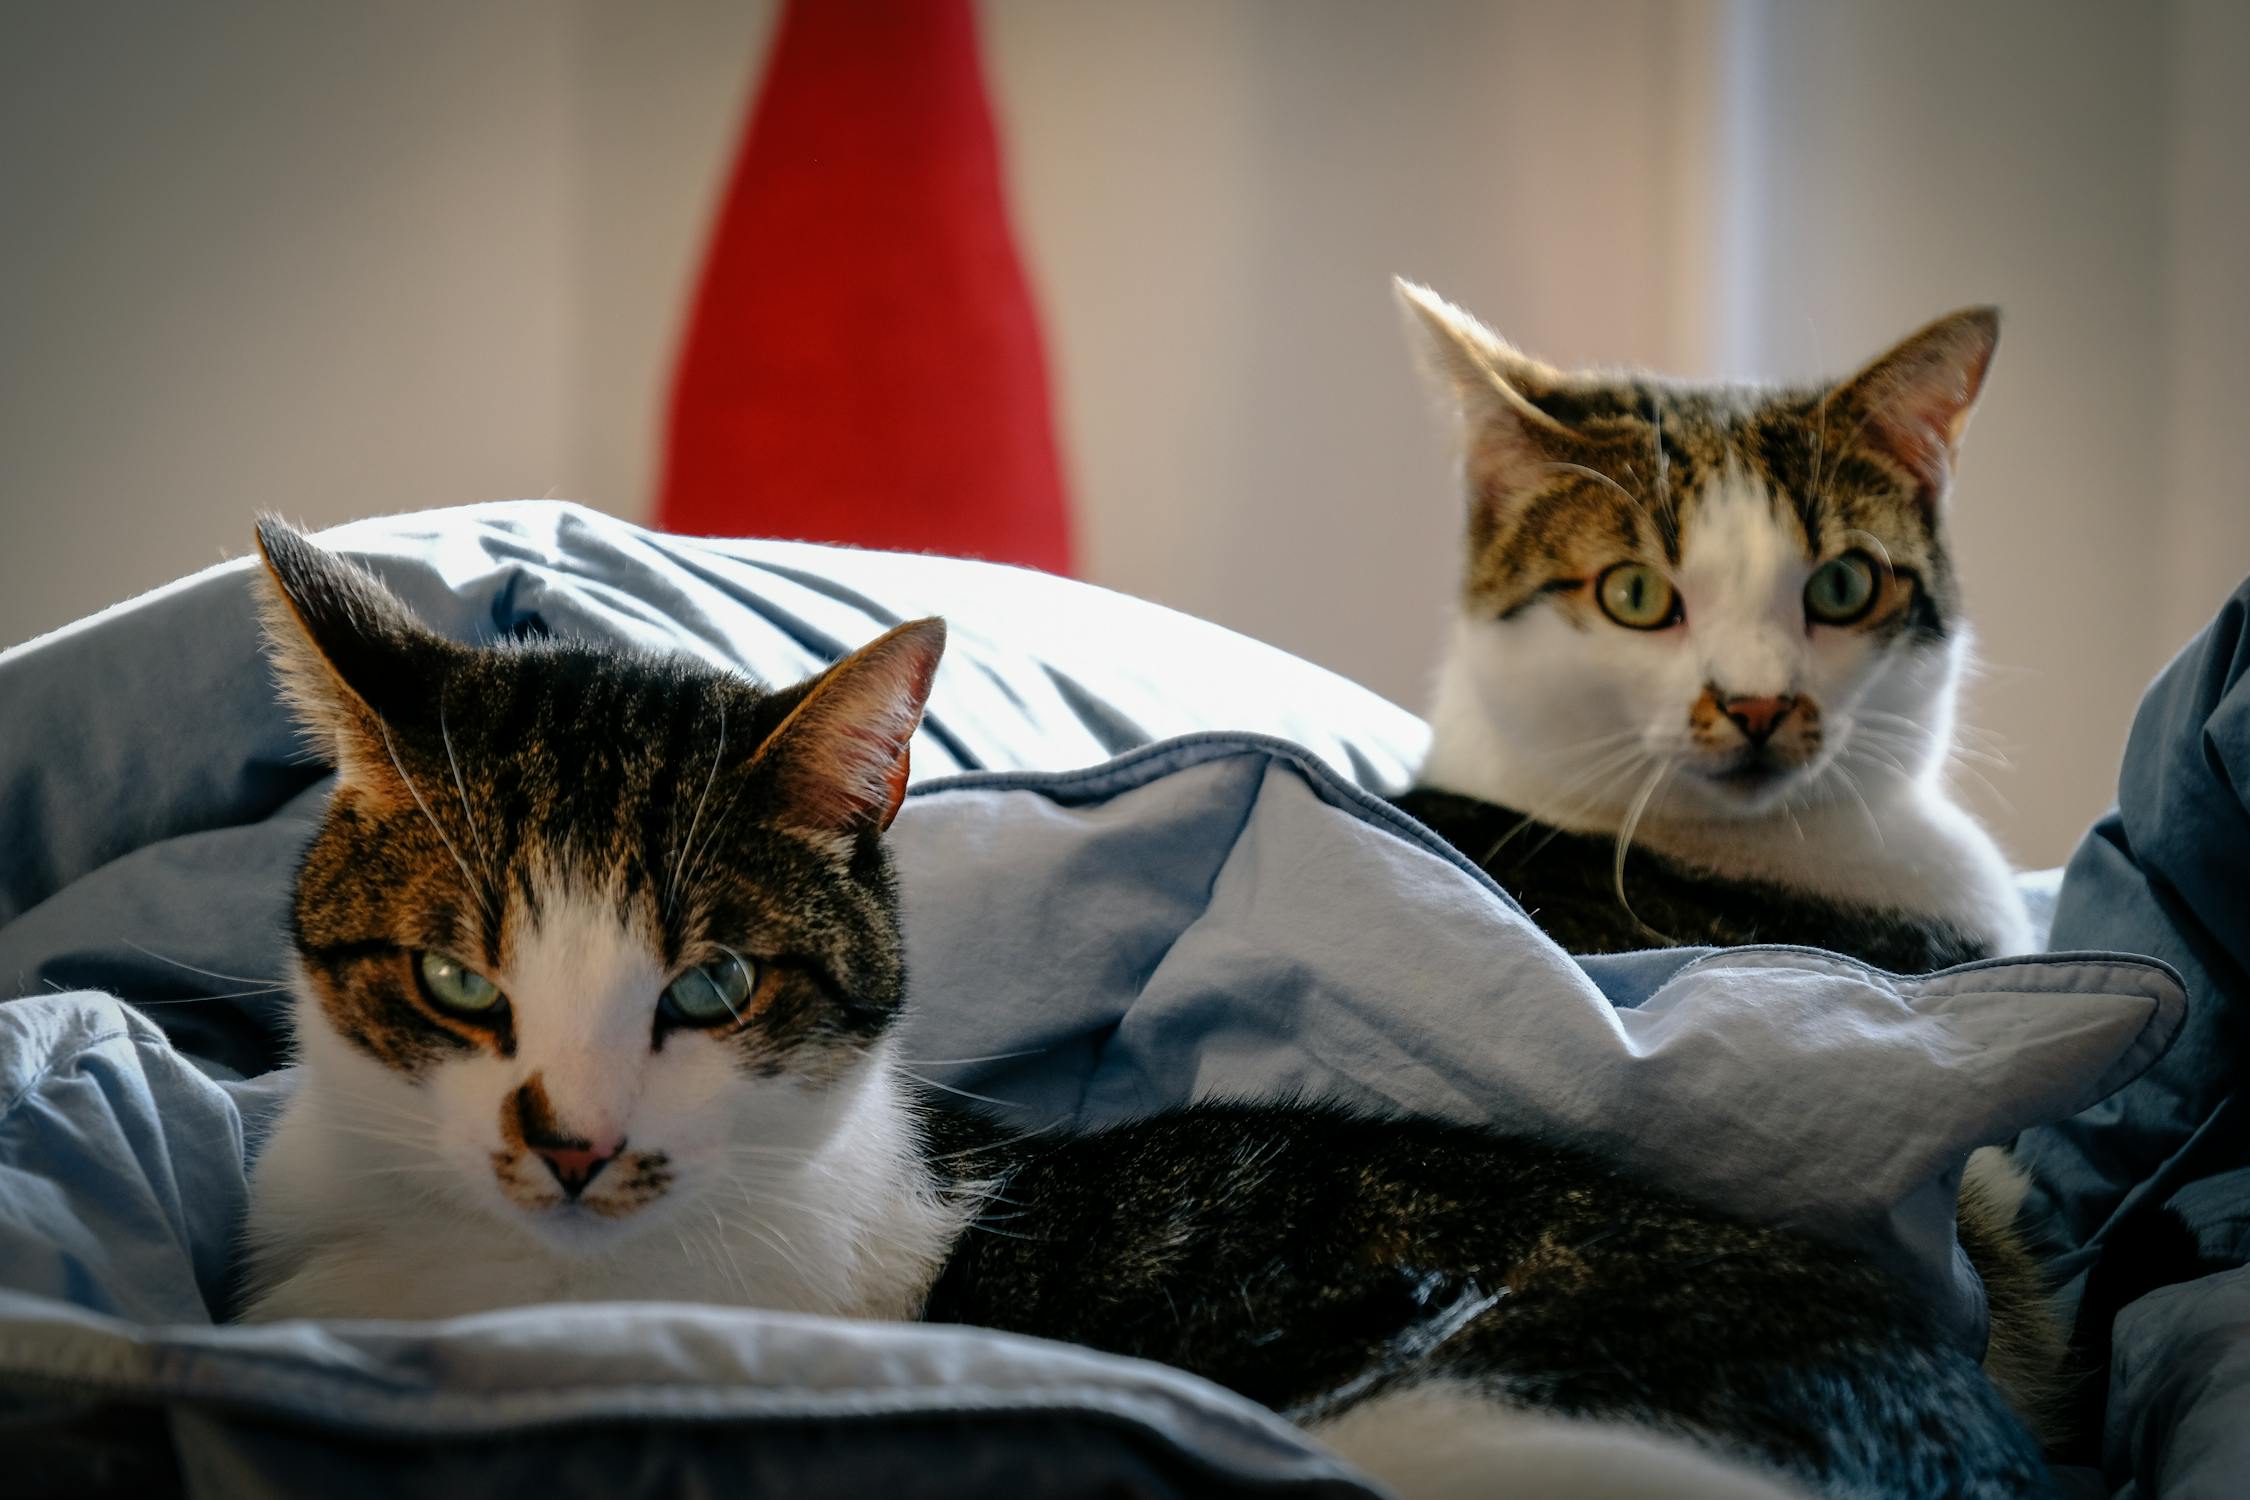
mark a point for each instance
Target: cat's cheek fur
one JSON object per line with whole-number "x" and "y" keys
{"x": 1543, "y": 702}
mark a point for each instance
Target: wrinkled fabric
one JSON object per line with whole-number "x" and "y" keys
{"x": 2167, "y": 873}
{"x": 151, "y": 783}
{"x": 1222, "y": 918}
{"x": 1210, "y": 918}
{"x": 2149, "y": 1191}
{"x": 1220, "y": 915}
{"x": 2179, "y": 1384}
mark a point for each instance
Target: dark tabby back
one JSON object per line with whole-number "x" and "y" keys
{"x": 1313, "y": 1260}
{"x": 1568, "y": 884}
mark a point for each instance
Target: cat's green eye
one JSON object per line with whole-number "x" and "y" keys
{"x": 455, "y": 986}
{"x": 1841, "y": 589}
{"x": 1638, "y": 597}
{"x": 711, "y": 994}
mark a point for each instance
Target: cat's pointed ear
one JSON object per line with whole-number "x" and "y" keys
{"x": 352, "y": 658}
{"x": 1915, "y": 401}
{"x": 840, "y": 758}
{"x": 1506, "y": 440}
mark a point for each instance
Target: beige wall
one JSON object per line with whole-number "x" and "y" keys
{"x": 270, "y": 255}
{"x": 336, "y": 260}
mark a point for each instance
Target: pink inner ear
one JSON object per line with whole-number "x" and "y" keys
{"x": 1919, "y": 399}
{"x": 1920, "y": 432}
{"x": 851, "y": 774}
{"x": 846, "y": 757}
{"x": 896, "y": 790}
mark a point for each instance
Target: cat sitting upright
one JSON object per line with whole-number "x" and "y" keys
{"x": 1701, "y": 688}
{"x": 1702, "y": 684}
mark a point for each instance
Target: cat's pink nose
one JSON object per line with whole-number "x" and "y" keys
{"x": 1758, "y": 718}
{"x": 576, "y": 1166}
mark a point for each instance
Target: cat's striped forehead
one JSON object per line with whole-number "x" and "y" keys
{"x": 1570, "y": 474}
{"x": 1647, "y": 464}
{"x": 568, "y": 824}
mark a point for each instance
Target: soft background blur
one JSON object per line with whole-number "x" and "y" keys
{"x": 335, "y": 260}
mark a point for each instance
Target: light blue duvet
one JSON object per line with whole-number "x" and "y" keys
{"x": 1113, "y": 906}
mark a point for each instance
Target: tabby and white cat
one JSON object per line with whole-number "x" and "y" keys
{"x": 1701, "y": 687}
{"x": 597, "y": 973}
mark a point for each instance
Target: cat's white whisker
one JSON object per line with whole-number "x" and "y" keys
{"x": 732, "y": 1266}
{"x": 1850, "y": 784}
{"x": 696, "y": 855}
{"x": 943, "y": 1157}
{"x": 671, "y": 884}
{"x": 1874, "y": 544}
{"x": 963, "y": 1093}
{"x": 749, "y": 971}
{"x": 276, "y": 989}
{"x": 1588, "y": 472}
{"x": 1910, "y": 736}
{"x": 962, "y": 1062}
{"x": 1663, "y": 460}
{"x": 206, "y": 973}
{"x": 352, "y": 1100}
{"x": 982, "y": 1226}
{"x": 1820, "y": 436}
{"x": 358, "y": 1112}
{"x": 1581, "y": 793}
{"x": 773, "y": 1240}
{"x": 481, "y": 891}
{"x": 688, "y": 1254}
{"x": 1991, "y": 789}
{"x": 1887, "y": 756}
{"x": 418, "y": 1145}
{"x": 1625, "y": 843}
{"x": 460, "y": 789}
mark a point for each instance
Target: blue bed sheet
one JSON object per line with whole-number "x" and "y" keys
{"x": 1220, "y": 914}
{"x": 2150, "y": 1190}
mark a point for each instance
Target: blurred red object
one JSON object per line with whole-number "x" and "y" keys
{"x": 863, "y": 361}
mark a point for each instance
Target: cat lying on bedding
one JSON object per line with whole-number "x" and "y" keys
{"x": 1702, "y": 685}
{"x": 597, "y": 965}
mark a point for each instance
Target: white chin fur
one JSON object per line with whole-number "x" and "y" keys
{"x": 1535, "y": 714}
